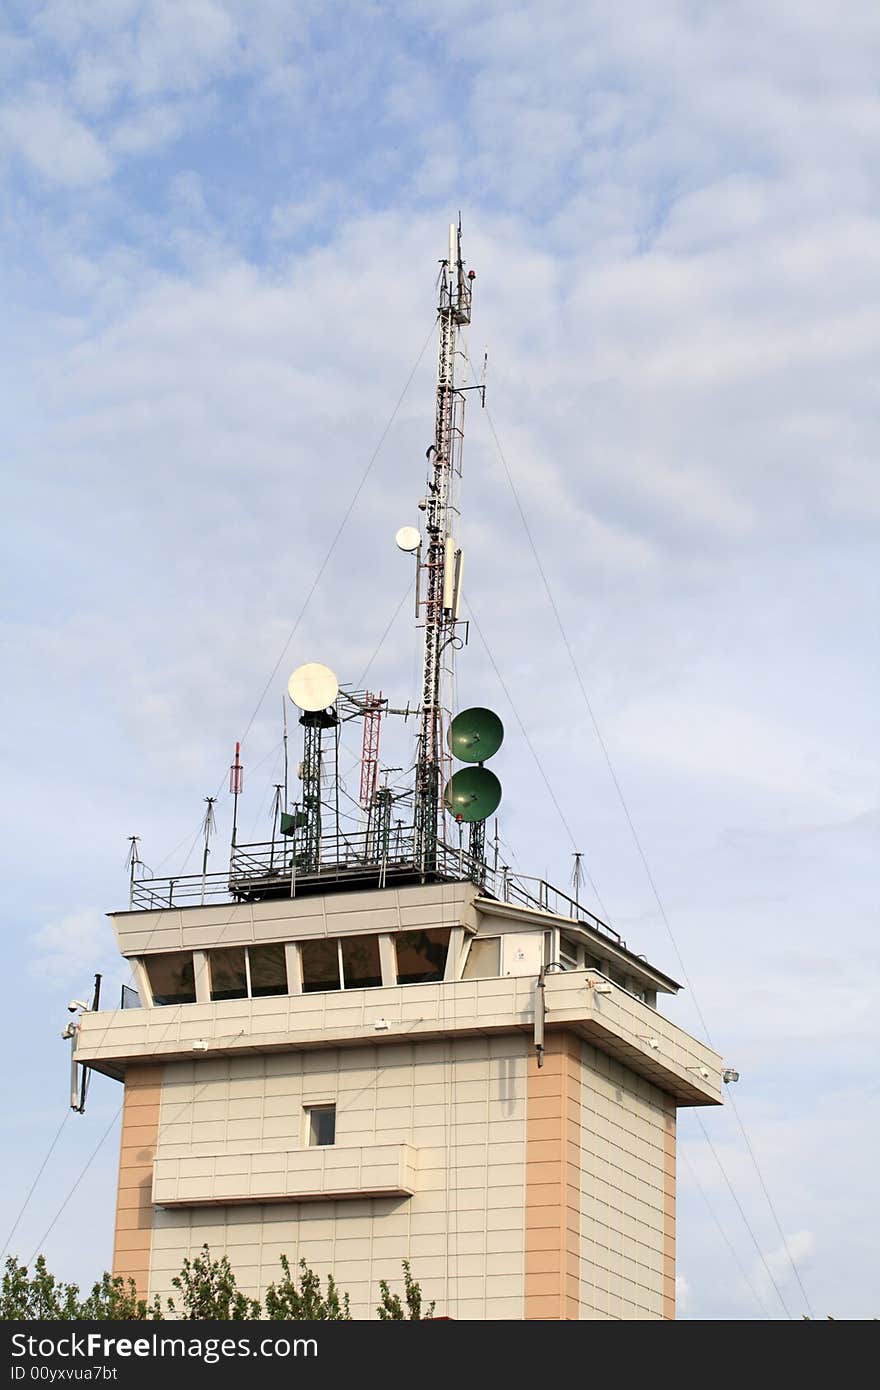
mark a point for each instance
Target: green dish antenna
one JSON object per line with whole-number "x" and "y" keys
{"x": 472, "y": 793}
{"x": 475, "y": 735}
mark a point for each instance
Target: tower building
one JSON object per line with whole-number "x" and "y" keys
{"x": 364, "y": 1045}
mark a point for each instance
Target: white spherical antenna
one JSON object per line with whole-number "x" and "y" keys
{"x": 408, "y": 539}
{"x": 313, "y": 687}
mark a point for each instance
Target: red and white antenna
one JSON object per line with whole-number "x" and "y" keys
{"x": 438, "y": 576}
{"x": 236, "y": 773}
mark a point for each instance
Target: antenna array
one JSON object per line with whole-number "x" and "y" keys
{"x": 438, "y": 577}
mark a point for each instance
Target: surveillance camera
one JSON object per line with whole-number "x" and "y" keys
{"x": 729, "y": 1074}
{"x": 69, "y": 1031}
{"x": 76, "y": 1004}
{"x": 704, "y": 1073}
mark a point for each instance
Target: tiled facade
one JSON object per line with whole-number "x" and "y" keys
{"x": 460, "y": 1105}
{"x": 627, "y": 1194}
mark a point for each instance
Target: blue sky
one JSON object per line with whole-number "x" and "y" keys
{"x": 220, "y": 225}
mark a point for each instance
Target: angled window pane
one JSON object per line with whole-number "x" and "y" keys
{"x": 483, "y": 960}
{"x": 568, "y": 953}
{"x": 360, "y": 962}
{"x": 421, "y": 955}
{"x": 228, "y": 975}
{"x": 268, "y": 970}
{"x": 172, "y": 978}
{"x": 320, "y": 965}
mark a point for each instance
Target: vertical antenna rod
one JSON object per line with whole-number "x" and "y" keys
{"x": 441, "y": 562}
{"x": 209, "y": 825}
{"x": 236, "y": 787}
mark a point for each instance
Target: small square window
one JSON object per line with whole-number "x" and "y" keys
{"x": 321, "y": 1125}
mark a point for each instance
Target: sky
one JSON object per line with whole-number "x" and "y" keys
{"x": 220, "y": 223}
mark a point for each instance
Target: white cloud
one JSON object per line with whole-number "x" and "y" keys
{"x": 67, "y": 952}
{"x": 53, "y": 143}
{"x": 776, "y": 1266}
{"x": 152, "y": 127}
{"x": 813, "y": 778}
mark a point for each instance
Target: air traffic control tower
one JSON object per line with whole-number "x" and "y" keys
{"x": 360, "y": 1047}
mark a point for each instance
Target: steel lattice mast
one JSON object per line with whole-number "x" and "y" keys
{"x": 439, "y": 573}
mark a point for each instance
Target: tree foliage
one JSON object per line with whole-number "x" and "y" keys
{"x": 305, "y": 1302}
{"x": 205, "y": 1290}
{"x": 40, "y": 1296}
{"x": 208, "y": 1292}
{"x": 391, "y": 1308}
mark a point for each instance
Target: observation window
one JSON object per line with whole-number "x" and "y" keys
{"x": 172, "y": 977}
{"x": 360, "y": 962}
{"x": 346, "y": 962}
{"x": 320, "y": 965}
{"x": 421, "y": 955}
{"x": 241, "y": 972}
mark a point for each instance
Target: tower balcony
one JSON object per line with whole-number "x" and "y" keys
{"x": 584, "y": 1002}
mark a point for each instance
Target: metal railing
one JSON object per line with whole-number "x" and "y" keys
{"x": 268, "y": 870}
{"x": 549, "y": 899}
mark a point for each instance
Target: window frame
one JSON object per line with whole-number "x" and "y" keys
{"x": 246, "y": 948}
{"x": 163, "y": 1002}
{"x": 308, "y": 1111}
{"x": 415, "y": 931}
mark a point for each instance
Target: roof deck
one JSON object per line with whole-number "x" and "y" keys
{"x": 353, "y": 862}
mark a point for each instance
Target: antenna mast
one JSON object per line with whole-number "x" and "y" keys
{"x": 441, "y": 564}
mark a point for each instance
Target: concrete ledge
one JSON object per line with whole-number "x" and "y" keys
{"x": 333, "y": 1173}
{"x": 580, "y": 1000}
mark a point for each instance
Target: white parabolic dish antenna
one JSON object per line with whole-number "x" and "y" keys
{"x": 313, "y": 687}
{"x": 407, "y": 539}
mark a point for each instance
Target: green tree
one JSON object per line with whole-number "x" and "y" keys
{"x": 391, "y": 1307}
{"x": 38, "y": 1296}
{"x": 116, "y": 1299}
{"x": 208, "y": 1291}
{"x": 305, "y": 1301}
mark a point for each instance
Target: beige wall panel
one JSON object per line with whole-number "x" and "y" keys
{"x": 462, "y": 1228}
{"x": 669, "y": 1154}
{"x": 294, "y": 918}
{"x": 624, "y": 1208}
